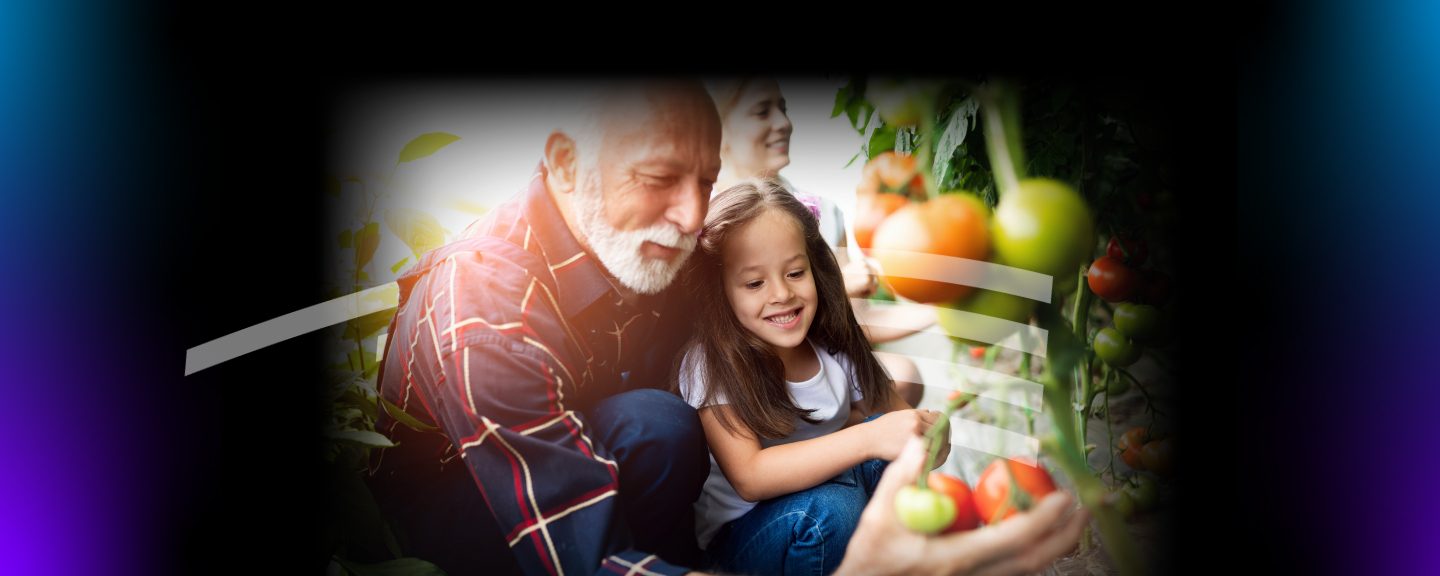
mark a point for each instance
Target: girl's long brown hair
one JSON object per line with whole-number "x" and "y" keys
{"x": 738, "y": 365}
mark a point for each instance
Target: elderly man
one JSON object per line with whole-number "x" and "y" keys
{"x": 534, "y": 343}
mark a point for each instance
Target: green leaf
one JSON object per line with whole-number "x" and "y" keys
{"x": 366, "y": 405}
{"x": 391, "y": 543}
{"x": 362, "y": 274}
{"x": 337, "y": 382}
{"x": 349, "y": 499}
{"x": 332, "y": 186}
{"x": 403, "y": 417}
{"x": 425, "y": 145}
{"x": 400, "y": 567}
{"x": 958, "y": 126}
{"x": 361, "y": 437}
{"x": 344, "y": 238}
{"x": 396, "y": 267}
{"x": 367, "y": 247}
{"x": 852, "y": 160}
{"x": 418, "y": 230}
{"x": 372, "y": 322}
{"x": 881, "y": 140}
{"x": 842, "y": 100}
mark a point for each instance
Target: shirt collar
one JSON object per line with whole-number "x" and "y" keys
{"x": 578, "y": 274}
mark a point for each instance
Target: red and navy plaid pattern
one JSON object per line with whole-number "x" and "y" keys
{"x": 504, "y": 339}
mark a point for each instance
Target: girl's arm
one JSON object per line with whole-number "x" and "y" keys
{"x": 758, "y": 474}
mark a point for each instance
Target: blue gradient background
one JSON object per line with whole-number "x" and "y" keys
{"x": 1339, "y": 210}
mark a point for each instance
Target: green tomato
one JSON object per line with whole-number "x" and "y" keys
{"x": 1138, "y": 321}
{"x": 901, "y": 102}
{"x": 1145, "y": 494}
{"x": 990, "y": 303}
{"x": 1119, "y": 385}
{"x": 1124, "y": 504}
{"x": 923, "y": 510}
{"x": 1112, "y": 347}
{"x": 1044, "y": 226}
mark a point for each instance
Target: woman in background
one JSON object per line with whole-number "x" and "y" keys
{"x": 755, "y": 143}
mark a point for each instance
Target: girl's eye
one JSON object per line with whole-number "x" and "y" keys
{"x": 753, "y": 284}
{"x": 797, "y": 274}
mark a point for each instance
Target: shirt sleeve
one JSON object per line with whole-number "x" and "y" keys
{"x": 503, "y": 393}
{"x": 692, "y": 381}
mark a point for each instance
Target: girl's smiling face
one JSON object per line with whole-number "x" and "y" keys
{"x": 768, "y": 279}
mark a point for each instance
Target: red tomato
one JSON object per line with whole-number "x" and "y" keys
{"x": 1113, "y": 281}
{"x": 1139, "y": 250}
{"x": 1132, "y": 437}
{"x": 977, "y": 351}
{"x": 966, "y": 517}
{"x": 1159, "y": 457}
{"x": 993, "y": 488}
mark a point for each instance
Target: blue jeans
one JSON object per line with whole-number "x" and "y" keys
{"x": 801, "y": 533}
{"x": 655, "y": 437}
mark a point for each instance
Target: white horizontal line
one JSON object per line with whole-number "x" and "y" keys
{"x": 979, "y": 381}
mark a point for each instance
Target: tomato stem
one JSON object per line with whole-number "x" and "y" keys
{"x": 1002, "y": 132}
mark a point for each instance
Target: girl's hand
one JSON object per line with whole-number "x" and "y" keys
{"x": 893, "y": 429}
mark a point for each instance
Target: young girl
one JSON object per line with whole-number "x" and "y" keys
{"x": 799, "y": 415}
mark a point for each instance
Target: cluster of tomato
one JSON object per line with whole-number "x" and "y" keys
{"x": 949, "y": 505}
{"x": 1041, "y": 225}
{"x": 1143, "y": 451}
{"x": 1116, "y": 277}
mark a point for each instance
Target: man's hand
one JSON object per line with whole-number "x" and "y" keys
{"x": 1023, "y": 544}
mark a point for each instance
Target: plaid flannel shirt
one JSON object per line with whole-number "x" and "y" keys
{"x": 503, "y": 339}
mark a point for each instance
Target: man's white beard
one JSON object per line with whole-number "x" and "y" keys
{"x": 619, "y": 251}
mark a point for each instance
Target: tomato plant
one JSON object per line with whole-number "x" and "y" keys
{"x": 1159, "y": 457}
{"x": 1115, "y": 349}
{"x": 1145, "y": 492}
{"x": 1138, "y": 248}
{"x": 989, "y": 303}
{"x": 1138, "y": 321}
{"x": 949, "y": 225}
{"x": 966, "y": 517}
{"x": 1113, "y": 281}
{"x": 992, "y": 491}
{"x": 1040, "y": 224}
{"x": 923, "y": 510}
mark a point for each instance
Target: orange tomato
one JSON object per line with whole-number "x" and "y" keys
{"x": 893, "y": 169}
{"x": 955, "y": 225}
{"x": 870, "y": 210}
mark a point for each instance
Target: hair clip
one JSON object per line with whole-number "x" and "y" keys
{"x": 810, "y": 201}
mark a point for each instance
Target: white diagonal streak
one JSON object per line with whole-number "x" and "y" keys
{"x": 299, "y": 322}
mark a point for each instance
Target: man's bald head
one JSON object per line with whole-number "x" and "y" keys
{"x": 632, "y": 174}
{"x": 616, "y": 110}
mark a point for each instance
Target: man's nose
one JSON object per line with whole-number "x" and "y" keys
{"x": 687, "y": 207}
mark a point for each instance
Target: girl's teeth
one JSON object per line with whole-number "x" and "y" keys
{"x": 782, "y": 319}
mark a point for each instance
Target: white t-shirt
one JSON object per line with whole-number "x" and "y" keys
{"x": 829, "y": 393}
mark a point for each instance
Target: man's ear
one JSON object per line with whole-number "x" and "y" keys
{"x": 560, "y": 163}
